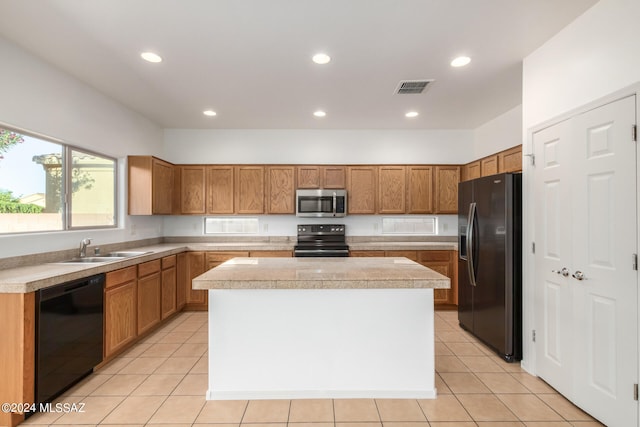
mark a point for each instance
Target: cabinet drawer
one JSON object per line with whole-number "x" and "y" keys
{"x": 148, "y": 268}
{"x": 118, "y": 277}
{"x": 224, "y": 256}
{"x": 271, "y": 254}
{"x": 168, "y": 262}
{"x": 412, "y": 255}
{"x": 435, "y": 255}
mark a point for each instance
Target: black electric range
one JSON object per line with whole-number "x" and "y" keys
{"x": 321, "y": 240}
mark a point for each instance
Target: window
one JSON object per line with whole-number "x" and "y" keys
{"x": 49, "y": 186}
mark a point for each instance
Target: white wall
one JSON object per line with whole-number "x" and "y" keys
{"x": 505, "y": 131}
{"x": 589, "y": 59}
{"x": 40, "y": 98}
{"x": 288, "y": 146}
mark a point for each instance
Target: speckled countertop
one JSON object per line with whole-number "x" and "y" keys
{"x": 49, "y": 271}
{"x": 320, "y": 273}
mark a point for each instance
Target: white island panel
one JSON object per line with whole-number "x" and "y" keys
{"x": 329, "y": 343}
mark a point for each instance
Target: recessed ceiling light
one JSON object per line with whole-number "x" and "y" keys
{"x": 151, "y": 57}
{"x": 321, "y": 58}
{"x": 460, "y": 61}
{"x": 209, "y": 113}
{"x": 319, "y": 113}
{"x": 411, "y": 114}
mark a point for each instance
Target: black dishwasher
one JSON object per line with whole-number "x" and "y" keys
{"x": 69, "y": 320}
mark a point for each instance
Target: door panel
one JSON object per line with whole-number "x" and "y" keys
{"x": 465, "y": 290}
{"x": 604, "y": 229}
{"x": 553, "y": 238}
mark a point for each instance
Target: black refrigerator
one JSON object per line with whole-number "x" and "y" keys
{"x": 490, "y": 262}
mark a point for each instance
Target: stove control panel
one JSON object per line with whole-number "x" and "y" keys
{"x": 309, "y": 229}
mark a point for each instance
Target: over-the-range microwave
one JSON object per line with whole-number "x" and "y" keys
{"x": 321, "y": 203}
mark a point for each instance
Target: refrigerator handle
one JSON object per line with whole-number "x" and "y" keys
{"x": 470, "y": 233}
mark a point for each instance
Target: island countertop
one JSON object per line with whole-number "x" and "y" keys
{"x": 320, "y": 273}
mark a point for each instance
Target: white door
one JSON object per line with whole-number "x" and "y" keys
{"x": 554, "y": 359}
{"x": 604, "y": 241}
{"x": 585, "y": 221}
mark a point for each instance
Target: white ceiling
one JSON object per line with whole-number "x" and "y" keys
{"x": 250, "y": 60}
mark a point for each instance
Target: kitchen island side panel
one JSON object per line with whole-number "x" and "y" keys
{"x": 321, "y": 343}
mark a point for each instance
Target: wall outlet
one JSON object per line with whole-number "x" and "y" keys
{"x": 265, "y": 228}
{"x": 133, "y": 229}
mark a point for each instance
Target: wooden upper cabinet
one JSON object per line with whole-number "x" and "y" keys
{"x": 249, "y": 189}
{"x": 333, "y": 177}
{"x": 220, "y": 189}
{"x": 489, "y": 165}
{"x": 151, "y": 183}
{"x": 192, "y": 189}
{"x": 471, "y": 171}
{"x": 446, "y": 189}
{"x": 510, "y": 160}
{"x": 419, "y": 189}
{"x": 281, "y": 189}
{"x": 310, "y": 176}
{"x": 362, "y": 189}
{"x": 391, "y": 189}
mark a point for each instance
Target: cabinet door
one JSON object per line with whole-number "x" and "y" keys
{"x": 192, "y": 189}
{"x": 149, "y": 295}
{"x": 162, "y": 187}
{"x": 489, "y": 165}
{"x": 308, "y": 176}
{"x": 281, "y": 190}
{"x": 446, "y": 189}
{"x": 196, "y": 298}
{"x": 445, "y": 263}
{"x": 472, "y": 171}
{"x": 250, "y": 189}
{"x": 391, "y": 189}
{"x": 169, "y": 282}
{"x": 361, "y": 189}
{"x": 419, "y": 189}
{"x": 120, "y": 313}
{"x": 510, "y": 160}
{"x": 182, "y": 279}
{"x": 333, "y": 177}
{"x": 220, "y": 189}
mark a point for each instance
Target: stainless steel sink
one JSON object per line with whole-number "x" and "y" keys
{"x": 92, "y": 259}
{"x": 125, "y": 254}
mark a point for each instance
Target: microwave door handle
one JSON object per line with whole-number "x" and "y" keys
{"x": 335, "y": 202}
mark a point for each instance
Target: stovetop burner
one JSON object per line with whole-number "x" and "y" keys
{"x": 321, "y": 240}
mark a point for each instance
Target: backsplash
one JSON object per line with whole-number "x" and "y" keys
{"x": 357, "y": 225}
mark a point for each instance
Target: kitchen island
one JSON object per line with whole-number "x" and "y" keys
{"x": 286, "y": 328}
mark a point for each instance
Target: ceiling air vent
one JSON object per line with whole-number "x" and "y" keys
{"x": 407, "y": 87}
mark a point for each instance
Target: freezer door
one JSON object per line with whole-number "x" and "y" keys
{"x": 491, "y": 305}
{"x": 465, "y": 289}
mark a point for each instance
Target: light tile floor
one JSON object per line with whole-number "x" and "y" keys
{"x": 163, "y": 380}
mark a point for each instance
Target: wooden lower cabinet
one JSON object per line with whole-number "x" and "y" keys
{"x": 169, "y": 282}
{"x": 149, "y": 295}
{"x": 182, "y": 280}
{"x": 120, "y": 310}
{"x": 443, "y": 262}
{"x": 17, "y": 353}
{"x": 196, "y": 299}
{"x": 271, "y": 254}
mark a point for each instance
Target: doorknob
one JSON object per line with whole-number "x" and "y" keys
{"x": 564, "y": 271}
{"x": 578, "y": 275}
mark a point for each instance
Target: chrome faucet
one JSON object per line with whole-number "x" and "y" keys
{"x": 83, "y": 247}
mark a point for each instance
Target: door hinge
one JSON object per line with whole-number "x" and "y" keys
{"x": 635, "y": 392}
{"x": 635, "y": 261}
{"x": 533, "y": 335}
{"x": 634, "y": 132}
{"x": 533, "y": 247}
